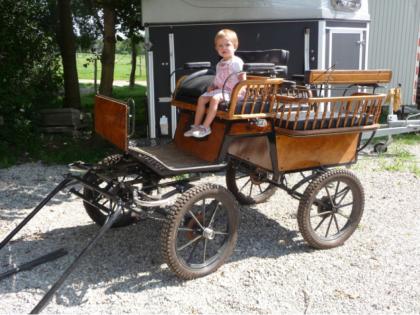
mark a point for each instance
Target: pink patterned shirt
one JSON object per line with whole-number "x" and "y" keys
{"x": 224, "y": 69}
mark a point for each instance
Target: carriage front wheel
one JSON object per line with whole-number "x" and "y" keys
{"x": 200, "y": 231}
{"x": 330, "y": 209}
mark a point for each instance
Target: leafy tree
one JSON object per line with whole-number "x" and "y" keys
{"x": 29, "y": 69}
{"x": 129, "y": 15}
{"x": 67, "y": 42}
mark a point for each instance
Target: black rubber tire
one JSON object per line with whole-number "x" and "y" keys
{"x": 231, "y": 183}
{"x": 97, "y": 215}
{"x": 312, "y": 194}
{"x": 380, "y": 147}
{"x": 180, "y": 214}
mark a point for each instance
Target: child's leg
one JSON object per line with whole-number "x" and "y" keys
{"x": 212, "y": 111}
{"x": 201, "y": 109}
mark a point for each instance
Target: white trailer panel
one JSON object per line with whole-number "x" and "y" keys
{"x": 181, "y": 11}
{"x": 394, "y": 35}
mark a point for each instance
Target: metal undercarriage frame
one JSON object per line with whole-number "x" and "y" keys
{"x": 138, "y": 204}
{"x": 148, "y": 170}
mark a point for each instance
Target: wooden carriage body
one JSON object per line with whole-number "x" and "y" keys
{"x": 278, "y": 129}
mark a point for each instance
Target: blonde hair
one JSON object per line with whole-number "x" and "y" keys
{"x": 228, "y": 34}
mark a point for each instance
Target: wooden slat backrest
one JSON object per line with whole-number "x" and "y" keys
{"x": 327, "y": 112}
{"x": 360, "y": 77}
{"x": 111, "y": 120}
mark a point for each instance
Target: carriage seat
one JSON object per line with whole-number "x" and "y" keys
{"x": 258, "y": 99}
{"x": 322, "y": 115}
{"x": 278, "y": 57}
{"x": 316, "y": 121}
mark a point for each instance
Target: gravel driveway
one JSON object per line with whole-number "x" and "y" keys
{"x": 271, "y": 271}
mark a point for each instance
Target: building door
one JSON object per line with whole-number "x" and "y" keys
{"x": 346, "y": 49}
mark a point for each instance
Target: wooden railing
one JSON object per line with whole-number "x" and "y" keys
{"x": 304, "y": 116}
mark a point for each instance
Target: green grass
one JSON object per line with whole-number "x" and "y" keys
{"x": 121, "y": 71}
{"x": 398, "y": 158}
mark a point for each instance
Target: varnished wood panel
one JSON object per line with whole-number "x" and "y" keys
{"x": 206, "y": 148}
{"x": 254, "y": 150}
{"x": 295, "y": 153}
{"x": 348, "y": 76}
{"x": 111, "y": 120}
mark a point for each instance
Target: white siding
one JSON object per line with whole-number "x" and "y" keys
{"x": 188, "y": 11}
{"x": 393, "y": 41}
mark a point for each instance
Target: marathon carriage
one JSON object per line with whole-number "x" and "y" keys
{"x": 277, "y": 130}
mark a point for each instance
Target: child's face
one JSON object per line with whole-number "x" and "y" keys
{"x": 225, "y": 48}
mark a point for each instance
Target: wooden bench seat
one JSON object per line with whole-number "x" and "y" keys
{"x": 325, "y": 115}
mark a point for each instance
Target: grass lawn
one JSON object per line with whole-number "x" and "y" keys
{"x": 122, "y": 67}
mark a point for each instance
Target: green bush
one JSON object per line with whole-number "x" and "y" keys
{"x": 29, "y": 72}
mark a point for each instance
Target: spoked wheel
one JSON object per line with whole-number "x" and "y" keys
{"x": 330, "y": 209}
{"x": 248, "y": 184}
{"x": 200, "y": 231}
{"x": 99, "y": 215}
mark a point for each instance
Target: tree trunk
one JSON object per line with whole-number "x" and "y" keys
{"x": 67, "y": 44}
{"x": 108, "y": 52}
{"x": 133, "y": 62}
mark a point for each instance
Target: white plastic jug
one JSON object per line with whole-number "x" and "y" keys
{"x": 164, "y": 125}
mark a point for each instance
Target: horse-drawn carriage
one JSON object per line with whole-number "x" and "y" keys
{"x": 275, "y": 130}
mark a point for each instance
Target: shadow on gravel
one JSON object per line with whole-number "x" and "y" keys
{"x": 27, "y": 196}
{"x": 127, "y": 259}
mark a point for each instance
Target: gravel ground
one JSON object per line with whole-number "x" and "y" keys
{"x": 271, "y": 271}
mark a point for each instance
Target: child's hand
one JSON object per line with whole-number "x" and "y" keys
{"x": 210, "y": 88}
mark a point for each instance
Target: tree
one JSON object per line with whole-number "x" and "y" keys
{"x": 129, "y": 16}
{"x": 67, "y": 43}
{"x": 29, "y": 69}
{"x": 108, "y": 49}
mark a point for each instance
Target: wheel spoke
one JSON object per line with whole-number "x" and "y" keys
{"x": 213, "y": 215}
{"x": 246, "y": 183}
{"x": 328, "y": 228}
{"x": 259, "y": 186}
{"x": 347, "y": 204}
{"x": 321, "y": 214}
{"x": 203, "y": 209}
{"x": 343, "y": 215}
{"x": 196, "y": 220}
{"x": 192, "y": 252}
{"x": 220, "y": 233}
{"x": 345, "y": 191}
{"x": 329, "y": 195}
{"x": 336, "y": 223}
{"x": 184, "y": 229}
{"x": 250, "y": 191}
{"x": 319, "y": 224}
{"x": 189, "y": 243}
{"x": 205, "y": 248}
{"x": 336, "y": 190}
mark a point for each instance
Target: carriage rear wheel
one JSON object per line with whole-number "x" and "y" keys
{"x": 248, "y": 184}
{"x": 98, "y": 215}
{"x": 200, "y": 231}
{"x": 330, "y": 209}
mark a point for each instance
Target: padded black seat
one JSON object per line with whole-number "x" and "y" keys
{"x": 279, "y": 57}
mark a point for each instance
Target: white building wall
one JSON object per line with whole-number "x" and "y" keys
{"x": 393, "y": 41}
{"x": 188, "y": 11}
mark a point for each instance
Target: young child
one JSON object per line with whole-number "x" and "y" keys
{"x": 226, "y": 43}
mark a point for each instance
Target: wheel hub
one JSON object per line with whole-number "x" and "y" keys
{"x": 257, "y": 177}
{"x": 209, "y": 233}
